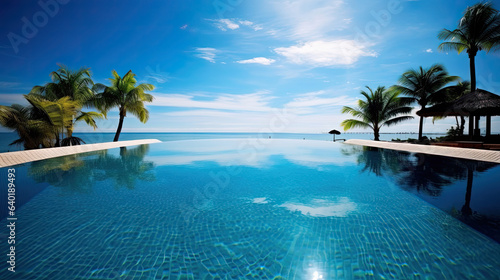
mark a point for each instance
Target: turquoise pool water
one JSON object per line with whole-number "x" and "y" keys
{"x": 244, "y": 209}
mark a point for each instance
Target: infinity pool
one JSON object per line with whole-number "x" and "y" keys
{"x": 249, "y": 209}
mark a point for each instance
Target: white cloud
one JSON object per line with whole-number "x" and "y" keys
{"x": 310, "y": 19}
{"x": 246, "y": 22}
{"x": 157, "y": 75}
{"x": 428, "y": 50}
{"x": 325, "y": 53}
{"x": 250, "y": 24}
{"x": 184, "y": 26}
{"x": 317, "y": 102}
{"x": 207, "y": 54}
{"x": 258, "y": 60}
{"x": 224, "y": 24}
{"x": 258, "y": 101}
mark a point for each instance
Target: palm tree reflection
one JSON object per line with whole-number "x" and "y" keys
{"x": 427, "y": 176}
{"x": 78, "y": 173}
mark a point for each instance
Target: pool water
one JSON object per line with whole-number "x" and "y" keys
{"x": 245, "y": 209}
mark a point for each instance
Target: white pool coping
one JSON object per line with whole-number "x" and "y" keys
{"x": 466, "y": 153}
{"x": 19, "y": 157}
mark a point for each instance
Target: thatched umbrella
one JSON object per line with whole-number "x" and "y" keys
{"x": 474, "y": 104}
{"x": 334, "y": 132}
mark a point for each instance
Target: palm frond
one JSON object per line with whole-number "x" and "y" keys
{"x": 353, "y": 123}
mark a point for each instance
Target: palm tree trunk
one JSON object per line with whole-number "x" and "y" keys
{"x": 472, "y": 56}
{"x": 466, "y": 210}
{"x": 58, "y": 143}
{"x": 376, "y": 134}
{"x": 462, "y": 125}
{"x": 420, "y": 127}
{"x": 120, "y": 124}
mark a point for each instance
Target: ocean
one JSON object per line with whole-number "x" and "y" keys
{"x": 90, "y": 138}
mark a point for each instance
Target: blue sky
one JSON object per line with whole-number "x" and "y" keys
{"x": 236, "y": 65}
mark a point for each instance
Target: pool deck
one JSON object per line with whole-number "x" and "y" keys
{"x": 467, "y": 153}
{"x": 14, "y": 158}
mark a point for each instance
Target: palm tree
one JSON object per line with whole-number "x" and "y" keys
{"x": 453, "y": 93}
{"x": 75, "y": 85}
{"x": 124, "y": 94}
{"x": 425, "y": 86}
{"x": 65, "y": 82}
{"x": 57, "y": 113}
{"x": 478, "y": 29}
{"x": 33, "y": 132}
{"x": 380, "y": 108}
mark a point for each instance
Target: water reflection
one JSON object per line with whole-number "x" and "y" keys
{"x": 323, "y": 208}
{"x": 78, "y": 173}
{"x": 445, "y": 182}
{"x": 257, "y": 153}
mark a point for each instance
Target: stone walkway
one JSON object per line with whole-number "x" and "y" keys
{"x": 14, "y": 158}
{"x": 475, "y": 154}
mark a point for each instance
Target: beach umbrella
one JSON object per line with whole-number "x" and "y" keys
{"x": 334, "y": 132}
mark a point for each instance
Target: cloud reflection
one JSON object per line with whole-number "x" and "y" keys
{"x": 250, "y": 152}
{"x": 323, "y": 208}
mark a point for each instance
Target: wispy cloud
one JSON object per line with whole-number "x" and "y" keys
{"x": 184, "y": 27}
{"x": 258, "y": 101}
{"x": 428, "y": 50}
{"x": 251, "y": 24}
{"x": 257, "y": 60}
{"x": 206, "y": 53}
{"x": 325, "y": 53}
{"x": 310, "y": 19}
{"x": 157, "y": 75}
{"x": 224, "y": 24}
{"x": 311, "y": 102}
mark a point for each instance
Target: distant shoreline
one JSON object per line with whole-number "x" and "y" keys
{"x": 319, "y": 133}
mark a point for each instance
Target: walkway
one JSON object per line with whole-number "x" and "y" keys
{"x": 475, "y": 154}
{"x": 14, "y": 158}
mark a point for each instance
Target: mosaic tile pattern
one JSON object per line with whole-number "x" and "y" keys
{"x": 179, "y": 226}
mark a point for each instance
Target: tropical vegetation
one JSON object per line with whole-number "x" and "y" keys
{"x": 425, "y": 86}
{"x": 380, "y": 108}
{"x": 451, "y": 94}
{"x": 124, "y": 94}
{"x": 478, "y": 29}
{"x": 55, "y": 108}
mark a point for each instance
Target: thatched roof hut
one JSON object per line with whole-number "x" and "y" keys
{"x": 474, "y": 104}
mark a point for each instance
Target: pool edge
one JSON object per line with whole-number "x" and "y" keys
{"x": 19, "y": 157}
{"x": 465, "y": 153}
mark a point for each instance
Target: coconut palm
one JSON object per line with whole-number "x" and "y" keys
{"x": 75, "y": 85}
{"x": 65, "y": 82}
{"x": 425, "y": 86}
{"x": 380, "y": 108}
{"x": 478, "y": 29}
{"x": 453, "y": 93}
{"x": 33, "y": 132}
{"x": 124, "y": 94}
{"x": 57, "y": 113}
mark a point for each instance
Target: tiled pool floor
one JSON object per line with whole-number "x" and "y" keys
{"x": 201, "y": 210}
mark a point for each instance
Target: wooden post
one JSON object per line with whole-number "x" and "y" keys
{"x": 477, "y": 131}
{"x": 488, "y": 126}
{"x": 471, "y": 127}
